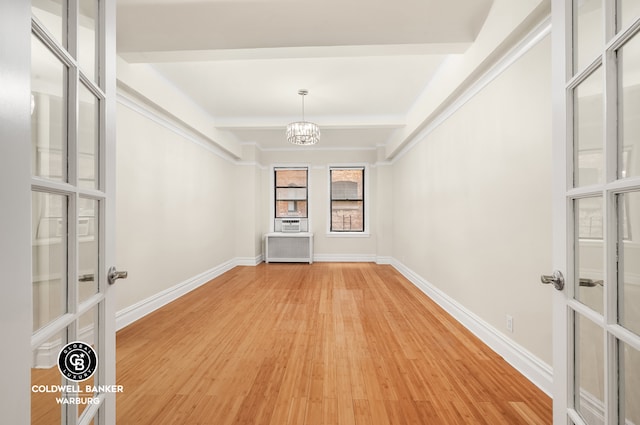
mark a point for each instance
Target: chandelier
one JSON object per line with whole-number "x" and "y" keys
{"x": 303, "y": 132}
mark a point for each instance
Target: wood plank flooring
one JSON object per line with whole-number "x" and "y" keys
{"x": 327, "y": 343}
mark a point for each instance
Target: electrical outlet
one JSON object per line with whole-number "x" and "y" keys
{"x": 509, "y": 323}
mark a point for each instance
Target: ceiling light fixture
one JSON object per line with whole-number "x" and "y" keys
{"x": 303, "y": 132}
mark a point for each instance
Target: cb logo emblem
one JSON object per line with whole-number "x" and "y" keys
{"x": 77, "y": 361}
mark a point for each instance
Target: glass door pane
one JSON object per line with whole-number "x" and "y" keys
{"x": 88, "y": 248}
{"x": 49, "y": 113}
{"x": 45, "y": 376}
{"x": 589, "y": 253}
{"x": 628, "y": 11}
{"x": 629, "y": 261}
{"x": 52, "y": 14}
{"x": 588, "y": 111}
{"x": 629, "y": 384}
{"x": 629, "y": 108}
{"x": 88, "y": 38}
{"x": 588, "y": 29}
{"x": 49, "y": 257}
{"x": 589, "y": 371}
{"x": 88, "y": 139}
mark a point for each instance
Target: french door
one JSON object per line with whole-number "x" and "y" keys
{"x": 596, "y": 131}
{"x": 65, "y": 138}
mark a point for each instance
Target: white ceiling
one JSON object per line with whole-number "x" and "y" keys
{"x": 364, "y": 62}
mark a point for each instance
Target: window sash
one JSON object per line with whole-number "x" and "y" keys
{"x": 347, "y": 200}
{"x": 291, "y": 192}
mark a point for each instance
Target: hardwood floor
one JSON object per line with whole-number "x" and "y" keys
{"x": 328, "y": 343}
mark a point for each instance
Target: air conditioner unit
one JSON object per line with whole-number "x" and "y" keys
{"x": 290, "y": 225}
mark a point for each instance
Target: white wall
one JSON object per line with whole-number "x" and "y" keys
{"x": 472, "y": 203}
{"x": 176, "y": 206}
{"x": 249, "y": 211}
{"x": 329, "y": 247}
{"x": 382, "y": 211}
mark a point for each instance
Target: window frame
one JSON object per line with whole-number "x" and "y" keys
{"x": 274, "y": 224}
{"x": 276, "y": 187}
{"x": 365, "y": 200}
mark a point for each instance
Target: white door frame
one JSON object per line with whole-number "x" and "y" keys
{"x": 108, "y": 175}
{"x": 567, "y": 306}
{"x": 15, "y": 217}
{"x": 559, "y": 42}
{"x": 15, "y": 225}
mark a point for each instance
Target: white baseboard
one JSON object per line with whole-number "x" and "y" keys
{"x": 344, "y": 258}
{"x": 534, "y": 369}
{"x": 137, "y": 311}
{"x": 591, "y": 408}
{"x": 46, "y": 355}
{"x": 384, "y": 260}
{"x": 249, "y": 261}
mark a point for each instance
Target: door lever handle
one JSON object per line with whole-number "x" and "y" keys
{"x": 556, "y": 279}
{"x": 113, "y": 275}
{"x": 590, "y": 283}
{"x": 86, "y": 278}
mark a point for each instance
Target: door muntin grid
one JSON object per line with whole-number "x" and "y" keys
{"x": 68, "y": 128}
{"x": 603, "y": 342}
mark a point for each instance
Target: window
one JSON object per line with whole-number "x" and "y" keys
{"x": 291, "y": 192}
{"x": 347, "y": 199}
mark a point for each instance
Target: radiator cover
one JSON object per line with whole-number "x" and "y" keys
{"x": 289, "y": 247}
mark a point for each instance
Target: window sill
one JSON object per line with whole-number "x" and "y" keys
{"x": 348, "y": 234}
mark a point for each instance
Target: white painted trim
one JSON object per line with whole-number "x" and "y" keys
{"x": 527, "y": 43}
{"x": 297, "y": 52}
{"x": 180, "y": 129}
{"x": 364, "y": 234}
{"x": 318, "y": 148}
{"x": 349, "y": 165}
{"x": 591, "y": 408}
{"x": 272, "y": 188}
{"x": 293, "y": 148}
{"x": 152, "y": 87}
{"x": 249, "y": 261}
{"x": 250, "y": 164}
{"x": 172, "y": 125}
{"x": 384, "y": 260}
{"x": 137, "y": 311}
{"x": 46, "y": 355}
{"x": 326, "y": 122}
{"x": 345, "y": 258}
{"x": 534, "y": 369}
{"x": 562, "y": 334}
